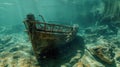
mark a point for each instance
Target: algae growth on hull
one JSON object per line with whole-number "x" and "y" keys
{"x": 99, "y": 28}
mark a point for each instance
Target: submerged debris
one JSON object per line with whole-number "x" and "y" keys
{"x": 106, "y": 54}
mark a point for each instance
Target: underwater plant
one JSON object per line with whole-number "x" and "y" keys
{"x": 110, "y": 15}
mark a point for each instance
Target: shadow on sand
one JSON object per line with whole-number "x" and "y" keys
{"x": 60, "y": 55}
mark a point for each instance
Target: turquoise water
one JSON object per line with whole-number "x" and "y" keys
{"x": 13, "y": 12}
{"x": 99, "y": 30}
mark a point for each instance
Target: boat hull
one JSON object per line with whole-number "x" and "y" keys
{"x": 46, "y": 36}
{"x": 43, "y": 42}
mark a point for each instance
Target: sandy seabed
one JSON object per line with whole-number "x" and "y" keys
{"x": 16, "y": 51}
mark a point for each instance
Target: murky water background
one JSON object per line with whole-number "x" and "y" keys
{"x": 98, "y": 28}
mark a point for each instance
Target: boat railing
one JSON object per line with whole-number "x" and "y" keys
{"x": 32, "y": 25}
{"x": 56, "y": 28}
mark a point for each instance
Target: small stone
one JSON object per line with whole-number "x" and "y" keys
{"x": 78, "y": 51}
{"x": 16, "y": 57}
{"x": 13, "y": 49}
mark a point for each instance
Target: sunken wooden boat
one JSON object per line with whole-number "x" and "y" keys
{"x": 45, "y": 36}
